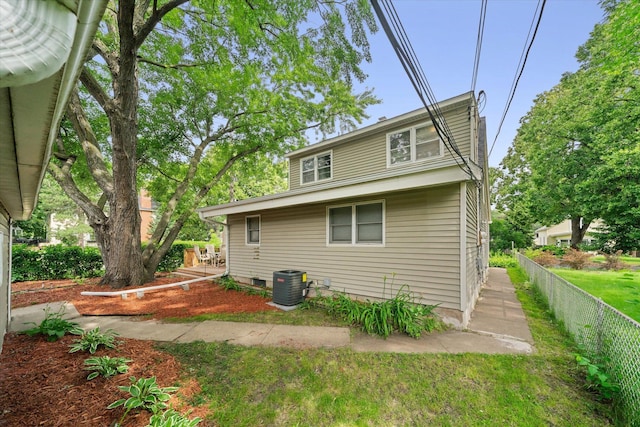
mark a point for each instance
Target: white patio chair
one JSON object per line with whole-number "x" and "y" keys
{"x": 211, "y": 251}
{"x": 202, "y": 258}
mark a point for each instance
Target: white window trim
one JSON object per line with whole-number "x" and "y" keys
{"x": 412, "y": 140}
{"x": 354, "y": 224}
{"x": 246, "y": 230}
{"x": 315, "y": 168}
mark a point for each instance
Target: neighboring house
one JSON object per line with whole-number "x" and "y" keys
{"x": 43, "y": 45}
{"x": 57, "y": 224}
{"x": 386, "y": 201}
{"x": 560, "y": 234}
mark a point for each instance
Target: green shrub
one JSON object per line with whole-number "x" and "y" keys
{"x": 91, "y": 340}
{"x": 597, "y": 379}
{"x": 54, "y": 262}
{"x": 229, "y": 284}
{"x": 555, "y": 250}
{"x": 106, "y": 366}
{"x": 53, "y": 326}
{"x": 499, "y": 259}
{"x": 174, "y": 258}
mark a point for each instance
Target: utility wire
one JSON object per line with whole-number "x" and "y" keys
{"x": 523, "y": 60}
{"x": 414, "y": 71}
{"x": 476, "y": 60}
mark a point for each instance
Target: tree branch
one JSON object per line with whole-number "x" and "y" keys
{"x": 156, "y": 16}
{"x": 97, "y": 92}
{"x": 90, "y": 146}
{"x": 62, "y": 175}
{"x": 165, "y": 66}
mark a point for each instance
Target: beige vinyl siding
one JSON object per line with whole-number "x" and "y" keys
{"x": 473, "y": 251}
{"x": 367, "y": 155}
{"x": 5, "y": 280}
{"x": 422, "y": 246}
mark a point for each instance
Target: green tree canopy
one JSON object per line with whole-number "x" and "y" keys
{"x": 575, "y": 153}
{"x": 177, "y": 92}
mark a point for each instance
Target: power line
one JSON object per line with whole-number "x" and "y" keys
{"x": 404, "y": 50}
{"x": 521, "y": 64}
{"x": 476, "y": 60}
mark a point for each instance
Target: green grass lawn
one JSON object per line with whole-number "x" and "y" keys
{"x": 619, "y": 289}
{"x": 249, "y": 386}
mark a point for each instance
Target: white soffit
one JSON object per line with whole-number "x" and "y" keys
{"x": 36, "y": 40}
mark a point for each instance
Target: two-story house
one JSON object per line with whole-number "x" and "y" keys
{"x": 388, "y": 200}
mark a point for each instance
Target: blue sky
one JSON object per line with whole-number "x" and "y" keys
{"x": 443, "y": 34}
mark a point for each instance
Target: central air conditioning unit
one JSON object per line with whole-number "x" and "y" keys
{"x": 288, "y": 287}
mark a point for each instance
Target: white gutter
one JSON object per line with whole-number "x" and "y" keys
{"x": 89, "y": 14}
{"x": 140, "y": 291}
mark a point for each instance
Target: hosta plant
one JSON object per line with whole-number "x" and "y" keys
{"x": 91, "y": 340}
{"x": 144, "y": 394}
{"x": 106, "y": 366}
{"x": 53, "y": 326}
{"x": 171, "y": 418}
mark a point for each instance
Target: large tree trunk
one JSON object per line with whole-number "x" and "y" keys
{"x": 579, "y": 227}
{"x": 123, "y": 261}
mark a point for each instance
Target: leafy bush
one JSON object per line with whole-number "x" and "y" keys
{"x": 53, "y": 326}
{"x": 106, "y": 366}
{"x": 145, "y": 394}
{"x": 546, "y": 259}
{"x": 597, "y": 379}
{"x": 174, "y": 258}
{"x": 91, "y": 340}
{"x": 229, "y": 284}
{"x": 613, "y": 261}
{"x": 54, "y": 262}
{"x": 498, "y": 259}
{"x": 171, "y": 418}
{"x": 576, "y": 259}
{"x": 555, "y": 250}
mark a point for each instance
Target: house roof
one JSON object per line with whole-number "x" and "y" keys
{"x": 43, "y": 45}
{"x": 381, "y": 183}
{"x": 381, "y": 125}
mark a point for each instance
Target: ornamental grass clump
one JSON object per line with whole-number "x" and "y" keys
{"x": 400, "y": 313}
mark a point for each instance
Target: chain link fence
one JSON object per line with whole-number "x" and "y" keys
{"x": 599, "y": 328}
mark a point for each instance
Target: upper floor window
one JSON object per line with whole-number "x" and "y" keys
{"x": 413, "y": 144}
{"x": 253, "y": 230}
{"x": 316, "y": 168}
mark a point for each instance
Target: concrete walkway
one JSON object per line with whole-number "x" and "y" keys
{"x": 498, "y": 325}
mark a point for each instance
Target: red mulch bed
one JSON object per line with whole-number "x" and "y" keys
{"x": 42, "y": 384}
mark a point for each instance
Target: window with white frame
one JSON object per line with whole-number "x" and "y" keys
{"x": 356, "y": 224}
{"x": 413, "y": 144}
{"x": 253, "y": 230}
{"x": 316, "y": 168}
